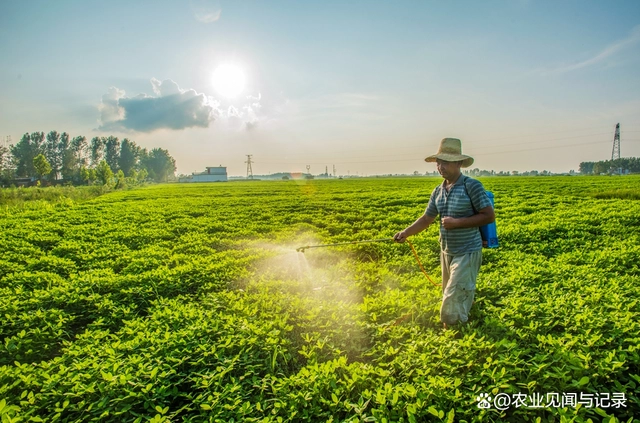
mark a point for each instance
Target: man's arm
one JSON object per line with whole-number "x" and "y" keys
{"x": 484, "y": 216}
{"x": 418, "y": 226}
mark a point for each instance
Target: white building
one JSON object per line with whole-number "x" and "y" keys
{"x": 212, "y": 174}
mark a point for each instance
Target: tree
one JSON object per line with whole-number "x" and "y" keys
{"x": 67, "y": 157}
{"x": 158, "y": 163}
{"x": 85, "y": 175}
{"x": 112, "y": 151}
{"x": 41, "y": 165}
{"x": 97, "y": 150}
{"x": 601, "y": 167}
{"x": 6, "y": 165}
{"x": 129, "y": 153}
{"x": 79, "y": 147}
{"x": 93, "y": 175}
{"x": 586, "y": 168}
{"x": 121, "y": 180}
{"x": 52, "y": 152}
{"x": 77, "y": 159}
{"x": 23, "y": 155}
{"x": 29, "y": 146}
{"x": 141, "y": 177}
{"x": 634, "y": 164}
{"x": 104, "y": 174}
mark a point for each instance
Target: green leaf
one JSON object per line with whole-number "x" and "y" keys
{"x": 334, "y": 397}
{"x": 450, "y": 415}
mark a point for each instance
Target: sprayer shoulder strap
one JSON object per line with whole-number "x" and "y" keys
{"x": 464, "y": 182}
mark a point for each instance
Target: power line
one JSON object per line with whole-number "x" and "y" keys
{"x": 544, "y": 148}
{"x": 389, "y": 159}
{"x": 325, "y": 159}
{"x": 412, "y": 147}
{"x": 420, "y": 159}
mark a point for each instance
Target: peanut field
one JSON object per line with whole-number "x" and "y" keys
{"x": 190, "y": 303}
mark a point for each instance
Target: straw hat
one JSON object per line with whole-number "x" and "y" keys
{"x": 451, "y": 151}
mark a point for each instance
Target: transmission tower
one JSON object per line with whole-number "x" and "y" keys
{"x": 249, "y": 169}
{"x": 615, "y": 153}
{"x": 334, "y": 171}
{"x": 308, "y": 168}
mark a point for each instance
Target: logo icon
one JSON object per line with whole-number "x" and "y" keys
{"x": 484, "y": 400}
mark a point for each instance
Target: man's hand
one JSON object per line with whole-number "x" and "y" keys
{"x": 400, "y": 237}
{"x": 418, "y": 226}
{"x": 483, "y": 217}
{"x": 450, "y": 222}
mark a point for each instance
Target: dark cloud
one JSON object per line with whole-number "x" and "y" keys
{"x": 172, "y": 108}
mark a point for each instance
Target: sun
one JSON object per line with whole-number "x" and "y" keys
{"x": 228, "y": 80}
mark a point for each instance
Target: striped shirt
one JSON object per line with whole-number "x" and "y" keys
{"x": 456, "y": 203}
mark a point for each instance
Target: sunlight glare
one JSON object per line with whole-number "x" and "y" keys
{"x": 228, "y": 80}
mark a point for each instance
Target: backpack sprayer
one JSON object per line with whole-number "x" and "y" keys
{"x": 489, "y": 231}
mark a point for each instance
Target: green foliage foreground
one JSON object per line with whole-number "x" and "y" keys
{"x": 189, "y": 303}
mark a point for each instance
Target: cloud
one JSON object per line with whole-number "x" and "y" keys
{"x": 110, "y": 109}
{"x": 246, "y": 117}
{"x": 610, "y": 50}
{"x": 251, "y": 117}
{"x": 171, "y": 108}
{"x": 206, "y": 11}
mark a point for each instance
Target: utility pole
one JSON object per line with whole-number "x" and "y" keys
{"x": 615, "y": 152}
{"x": 249, "y": 169}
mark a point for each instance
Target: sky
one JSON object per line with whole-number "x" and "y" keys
{"x": 369, "y": 87}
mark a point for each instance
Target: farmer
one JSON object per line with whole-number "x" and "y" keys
{"x": 463, "y": 206}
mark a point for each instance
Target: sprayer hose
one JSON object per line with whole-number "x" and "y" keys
{"x": 415, "y": 254}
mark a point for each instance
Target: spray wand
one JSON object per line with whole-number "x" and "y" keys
{"x": 413, "y": 250}
{"x": 301, "y": 249}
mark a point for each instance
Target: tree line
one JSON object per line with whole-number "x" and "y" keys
{"x": 58, "y": 158}
{"x": 630, "y": 164}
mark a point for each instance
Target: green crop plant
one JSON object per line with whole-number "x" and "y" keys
{"x": 189, "y": 303}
